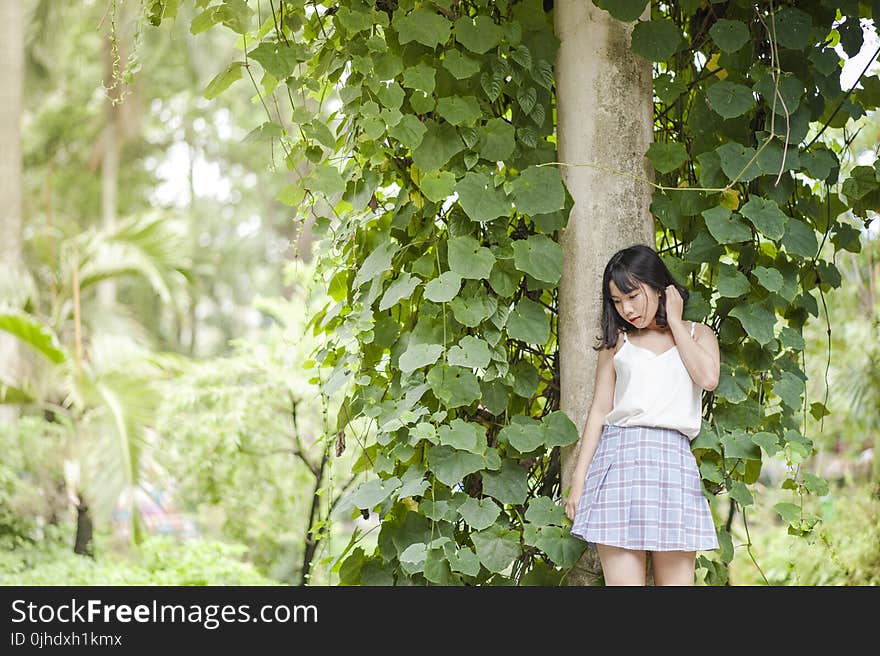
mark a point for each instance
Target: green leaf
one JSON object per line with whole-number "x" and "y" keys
{"x": 731, "y": 282}
{"x": 538, "y": 190}
{"x": 666, "y": 157}
{"x": 509, "y": 486}
{"x": 459, "y": 110}
{"x": 757, "y": 321}
{"x": 819, "y": 163}
{"x": 729, "y": 35}
{"x": 740, "y": 493}
{"x": 766, "y": 216}
{"x": 426, "y": 27}
{"x": 325, "y": 179}
{"x": 497, "y": 140}
{"x": 789, "y": 388}
{"x": 726, "y": 227}
{"x": 729, "y": 99}
{"x": 410, "y": 131}
{"x": 623, "y": 10}
{"x": 223, "y": 80}
{"x": 444, "y": 288}
{"x": 656, "y": 40}
{"x": 767, "y": 441}
{"x": 711, "y": 472}
{"x": 790, "y": 338}
{"x": 418, "y": 355}
{"x": 528, "y": 322}
{"x": 413, "y": 557}
{"x": 563, "y": 548}
{"x": 377, "y": 262}
{"x": 413, "y": 482}
{"x": 793, "y": 28}
{"x": 788, "y": 511}
{"x": 460, "y": 65}
{"x": 739, "y": 445}
{"x": 463, "y": 436}
{"x": 862, "y": 180}
{"x": 373, "y": 492}
{"x": 479, "y": 513}
{"x": 523, "y": 436}
{"x": 236, "y": 15}
{"x": 497, "y": 547}
{"x": 469, "y": 352}
{"x": 421, "y": 77}
{"x": 559, "y": 430}
{"x": 473, "y": 305}
{"x": 451, "y": 466}
{"x": 543, "y": 510}
{"x": 277, "y": 59}
{"x": 735, "y": 158}
{"x": 34, "y": 333}
{"x": 465, "y": 561}
{"x": 469, "y": 259}
{"x": 479, "y": 34}
{"x": 770, "y": 279}
{"x": 816, "y": 484}
{"x": 264, "y": 132}
{"x": 732, "y": 385}
{"x": 668, "y": 89}
{"x": 437, "y": 185}
{"x": 480, "y": 199}
{"x": 401, "y": 288}
{"x": 540, "y": 257}
{"x": 800, "y": 239}
{"x": 789, "y": 88}
{"x": 440, "y": 143}
{"x": 454, "y": 386}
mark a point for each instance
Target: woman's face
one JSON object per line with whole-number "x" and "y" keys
{"x": 638, "y": 307}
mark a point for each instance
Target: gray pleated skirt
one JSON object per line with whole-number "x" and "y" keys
{"x": 643, "y": 491}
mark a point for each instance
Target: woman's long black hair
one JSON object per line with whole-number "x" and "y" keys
{"x": 627, "y": 267}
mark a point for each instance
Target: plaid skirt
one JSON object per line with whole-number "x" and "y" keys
{"x": 643, "y": 491}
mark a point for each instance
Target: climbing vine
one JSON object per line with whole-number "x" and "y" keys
{"x": 428, "y": 135}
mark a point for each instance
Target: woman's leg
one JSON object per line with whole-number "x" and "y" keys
{"x": 622, "y": 566}
{"x": 673, "y": 567}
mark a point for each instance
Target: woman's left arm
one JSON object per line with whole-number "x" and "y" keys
{"x": 700, "y": 355}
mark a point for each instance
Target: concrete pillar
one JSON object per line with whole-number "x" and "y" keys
{"x": 604, "y": 117}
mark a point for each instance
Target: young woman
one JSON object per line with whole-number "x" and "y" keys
{"x": 636, "y": 487}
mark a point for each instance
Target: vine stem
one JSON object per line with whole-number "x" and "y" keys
{"x": 639, "y": 178}
{"x": 749, "y": 546}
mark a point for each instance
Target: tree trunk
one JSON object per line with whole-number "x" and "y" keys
{"x": 111, "y": 143}
{"x": 11, "y": 87}
{"x": 604, "y": 118}
{"x": 83, "y": 543}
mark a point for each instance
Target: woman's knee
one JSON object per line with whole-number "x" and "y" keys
{"x": 622, "y": 566}
{"x": 673, "y": 567}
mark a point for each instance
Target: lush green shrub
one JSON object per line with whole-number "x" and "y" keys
{"x": 159, "y": 561}
{"x": 844, "y": 550}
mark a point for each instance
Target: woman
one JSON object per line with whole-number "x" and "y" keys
{"x": 636, "y": 486}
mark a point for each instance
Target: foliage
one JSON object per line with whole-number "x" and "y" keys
{"x": 844, "y": 550}
{"x": 159, "y": 561}
{"x": 238, "y": 431}
{"x": 442, "y": 260}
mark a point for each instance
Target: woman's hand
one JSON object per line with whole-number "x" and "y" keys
{"x": 674, "y": 304}
{"x": 571, "y": 504}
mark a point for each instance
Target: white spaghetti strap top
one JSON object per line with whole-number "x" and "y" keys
{"x": 655, "y": 390}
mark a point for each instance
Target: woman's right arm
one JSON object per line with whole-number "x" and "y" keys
{"x": 603, "y": 402}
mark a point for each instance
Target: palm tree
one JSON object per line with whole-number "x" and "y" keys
{"x": 97, "y": 381}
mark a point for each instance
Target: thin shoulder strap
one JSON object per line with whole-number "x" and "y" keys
{"x": 693, "y": 325}
{"x": 624, "y": 336}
